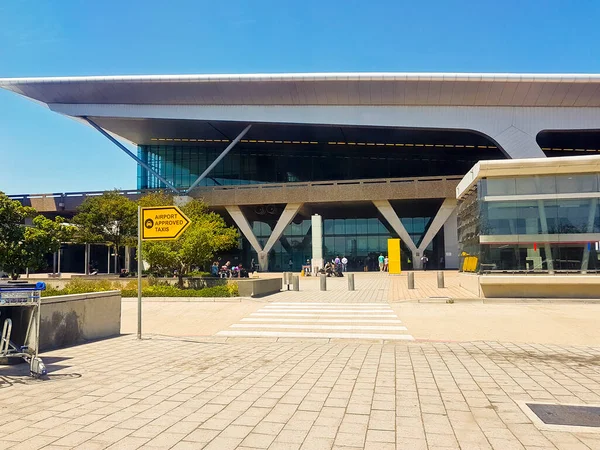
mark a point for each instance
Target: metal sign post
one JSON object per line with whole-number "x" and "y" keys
{"x": 161, "y": 223}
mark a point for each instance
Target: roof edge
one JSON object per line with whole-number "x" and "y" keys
{"x": 326, "y": 76}
{"x": 507, "y": 168}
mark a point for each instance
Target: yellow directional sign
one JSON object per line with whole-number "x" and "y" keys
{"x": 163, "y": 223}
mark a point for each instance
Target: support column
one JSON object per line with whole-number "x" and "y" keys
{"x": 316, "y": 261}
{"x": 127, "y": 258}
{"x": 447, "y": 208}
{"x": 108, "y": 259}
{"x": 290, "y": 211}
{"x": 544, "y": 226}
{"x": 451, "y": 258}
{"x": 585, "y": 261}
{"x": 386, "y": 210}
{"x": 86, "y": 259}
{"x": 263, "y": 253}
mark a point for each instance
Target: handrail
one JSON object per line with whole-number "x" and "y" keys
{"x": 247, "y": 186}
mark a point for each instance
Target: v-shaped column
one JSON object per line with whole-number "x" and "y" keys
{"x": 290, "y": 211}
{"x": 447, "y": 208}
{"x": 387, "y": 211}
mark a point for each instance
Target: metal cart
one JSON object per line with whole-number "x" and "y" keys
{"x": 16, "y": 294}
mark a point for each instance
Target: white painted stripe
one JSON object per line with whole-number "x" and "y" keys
{"x": 266, "y": 319}
{"x": 327, "y": 306}
{"x": 300, "y": 334}
{"x": 327, "y": 311}
{"x": 320, "y": 327}
{"x": 330, "y": 304}
{"x": 387, "y": 316}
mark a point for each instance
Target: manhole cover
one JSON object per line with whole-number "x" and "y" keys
{"x": 567, "y": 415}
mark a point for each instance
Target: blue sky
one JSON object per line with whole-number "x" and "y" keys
{"x": 44, "y": 152}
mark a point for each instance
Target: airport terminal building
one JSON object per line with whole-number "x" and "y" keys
{"x": 377, "y": 155}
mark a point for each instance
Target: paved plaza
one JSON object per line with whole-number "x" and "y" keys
{"x": 218, "y": 393}
{"x": 314, "y": 370}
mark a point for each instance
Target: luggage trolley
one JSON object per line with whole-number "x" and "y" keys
{"x": 23, "y": 295}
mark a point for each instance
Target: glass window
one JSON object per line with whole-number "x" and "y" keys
{"x": 351, "y": 226}
{"x": 329, "y": 246}
{"x": 418, "y": 225}
{"x": 362, "y": 246}
{"x": 500, "y": 186}
{"x": 567, "y": 184}
{"x": 536, "y": 185}
{"x": 408, "y": 224}
{"x": 499, "y": 218}
{"x": 339, "y": 227}
{"x": 373, "y": 244}
{"x": 373, "y": 226}
{"x": 328, "y": 226}
{"x": 528, "y": 218}
{"x": 361, "y": 226}
{"x": 340, "y": 246}
{"x": 573, "y": 216}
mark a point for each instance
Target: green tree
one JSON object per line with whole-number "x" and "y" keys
{"x": 207, "y": 235}
{"x": 110, "y": 218}
{"x": 25, "y": 246}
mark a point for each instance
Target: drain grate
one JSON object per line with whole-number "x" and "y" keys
{"x": 567, "y": 415}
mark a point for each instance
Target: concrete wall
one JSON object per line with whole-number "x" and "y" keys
{"x": 259, "y": 287}
{"x": 532, "y": 286}
{"x": 470, "y": 282}
{"x": 73, "y": 319}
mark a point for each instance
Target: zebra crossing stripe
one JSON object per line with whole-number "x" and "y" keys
{"x": 294, "y": 334}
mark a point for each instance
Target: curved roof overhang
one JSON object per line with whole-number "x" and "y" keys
{"x": 373, "y": 89}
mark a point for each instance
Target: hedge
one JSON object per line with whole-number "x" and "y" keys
{"x": 76, "y": 286}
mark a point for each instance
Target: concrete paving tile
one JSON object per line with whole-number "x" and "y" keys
{"x": 32, "y": 443}
{"x": 257, "y": 440}
{"x": 350, "y": 439}
{"x": 74, "y": 439}
{"x": 165, "y": 440}
{"x": 317, "y": 444}
{"x": 129, "y": 443}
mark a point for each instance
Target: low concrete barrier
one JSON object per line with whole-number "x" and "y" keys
{"x": 74, "y": 319}
{"x": 532, "y": 286}
{"x": 259, "y": 287}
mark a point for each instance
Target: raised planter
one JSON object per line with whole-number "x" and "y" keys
{"x": 74, "y": 319}
{"x": 259, "y": 287}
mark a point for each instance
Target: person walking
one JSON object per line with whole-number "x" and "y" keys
{"x": 344, "y": 264}
{"x": 424, "y": 261}
{"x": 291, "y": 264}
{"x": 381, "y": 260}
{"x": 385, "y": 264}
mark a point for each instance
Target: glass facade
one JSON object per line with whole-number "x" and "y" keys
{"x": 257, "y": 164}
{"x": 537, "y": 223}
{"x": 361, "y": 240}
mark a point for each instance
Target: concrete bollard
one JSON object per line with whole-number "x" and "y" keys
{"x": 285, "y": 280}
{"x": 323, "y": 282}
{"x": 350, "y": 281}
{"x": 295, "y": 283}
{"x": 411, "y": 280}
{"x": 440, "y": 279}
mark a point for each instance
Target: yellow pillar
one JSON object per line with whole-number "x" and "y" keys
{"x": 394, "y": 265}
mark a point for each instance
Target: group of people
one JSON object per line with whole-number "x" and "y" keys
{"x": 384, "y": 262}
{"x": 336, "y": 267}
{"x": 228, "y": 271}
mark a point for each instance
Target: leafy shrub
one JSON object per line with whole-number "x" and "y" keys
{"x": 230, "y": 290}
{"x": 198, "y": 273}
{"x": 76, "y": 286}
